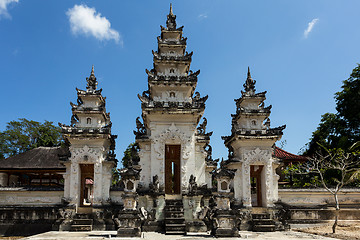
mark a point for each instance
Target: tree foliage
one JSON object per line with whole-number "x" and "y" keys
{"x": 130, "y": 155}
{"x": 23, "y": 135}
{"x": 341, "y": 129}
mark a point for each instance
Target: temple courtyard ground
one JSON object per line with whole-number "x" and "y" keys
{"x": 288, "y": 235}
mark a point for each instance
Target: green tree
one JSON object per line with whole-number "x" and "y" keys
{"x": 341, "y": 129}
{"x": 130, "y": 155}
{"x": 23, "y": 135}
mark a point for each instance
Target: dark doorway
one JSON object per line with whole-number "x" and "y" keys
{"x": 255, "y": 180}
{"x": 172, "y": 169}
{"x": 87, "y": 185}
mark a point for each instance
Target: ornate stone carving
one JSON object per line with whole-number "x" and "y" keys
{"x": 257, "y": 155}
{"x": 172, "y": 133}
{"x": 91, "y": 154}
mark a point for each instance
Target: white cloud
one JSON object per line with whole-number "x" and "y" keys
{"x": 310, "y": 27}
{"x": 3, "y": 7}
{"x": 85, "y": 20}
{"x": 202, "y": 16}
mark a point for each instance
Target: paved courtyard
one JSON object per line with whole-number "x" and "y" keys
{"x": 289, "y": 235}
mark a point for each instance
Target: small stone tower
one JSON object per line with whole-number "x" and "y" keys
{"x": 250, "y": 149}
{"x": 88, "y": 169}
{"x": 171, "y": 144}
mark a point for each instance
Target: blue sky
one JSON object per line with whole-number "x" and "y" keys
{"x": 298, "y": 51}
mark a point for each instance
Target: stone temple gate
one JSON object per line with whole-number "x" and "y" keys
{"x": 172, "y": 183}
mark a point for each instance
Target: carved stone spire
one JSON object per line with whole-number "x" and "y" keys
{"x": 249, "y": 84}
{"x": 91, "y": 81}
{"x": 171, "y": 11}
{"x": 171, "y": 20}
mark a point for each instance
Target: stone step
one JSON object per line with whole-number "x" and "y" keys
{"x": 128, "y": 232}
{"x": 174, "y": 208}
{"x": 263, "y": 228}
{"x": 174, "y": 220}
{"x": 81, "y": 221}
{"x": 177, "y": 214}
{"x": 175, "y": 232}
{"x": 82, "y": 216}
{"x": 174, "y": 203}
{"x": 263, "y": 222}
{"x": 81, "y": 228}
{"x": 175, "y": 228}
{"x": 261, "y": 216}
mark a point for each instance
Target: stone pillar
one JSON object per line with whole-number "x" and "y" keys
{"x": 98, "y": 184}
{"x": 246, "y": 189}
{"x": 3, "y": 179}
{"x": 268, "y": 189}
{"x": 74, "y": 184}
{"x": 106, "y": 181}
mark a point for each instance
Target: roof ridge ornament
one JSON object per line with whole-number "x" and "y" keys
{"x": 249, "y": 85}
{"x": 171, "y": 20}
{"x": 91, "y": 81}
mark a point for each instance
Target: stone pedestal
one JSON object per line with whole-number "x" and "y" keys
{"x": 225, "y": 224}
{"x": 128, "y": 223}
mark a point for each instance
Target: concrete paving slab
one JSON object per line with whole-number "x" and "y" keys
{"x": 97, "y": 235}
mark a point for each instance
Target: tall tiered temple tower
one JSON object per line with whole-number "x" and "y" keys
{"x": 88, "y": 169}
{"x": 172, "y": 147}
{"x": 250, "y": 149}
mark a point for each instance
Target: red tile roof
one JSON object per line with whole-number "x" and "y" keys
{"x": 287, "y": 157}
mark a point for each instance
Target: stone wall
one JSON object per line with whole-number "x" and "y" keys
{"x": 317, "y": 197}
{"x": 115, "y": 197}
{"x": 20, "y": 196}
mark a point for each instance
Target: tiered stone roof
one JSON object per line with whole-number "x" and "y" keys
{"x": 171, "y": 71}
{"x": 90, "y": 105}
{"x": 251, "y": 119}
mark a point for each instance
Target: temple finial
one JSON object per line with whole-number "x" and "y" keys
{"x": 91, "y": 81}
{"x": 171, "y": 20}
{"x": 249, "y": 84}
{"x": 171, "y": 11}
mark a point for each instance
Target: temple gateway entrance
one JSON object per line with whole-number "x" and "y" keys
{"x": 172, "y": 169}
{"x": 87, "y": 185}
{"x": 255, "y": 180}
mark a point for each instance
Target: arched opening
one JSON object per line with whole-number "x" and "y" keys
{"x": 172, "y": 70}
{"x": 224, "y": 185}
{"x": 130, "y": 185}
{"x": 172, "y": 94}
{"x": 88, "y": 120}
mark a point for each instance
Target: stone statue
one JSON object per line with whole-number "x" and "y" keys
{"x": 192, "y": 184}
{"x": 155, "y": 185}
